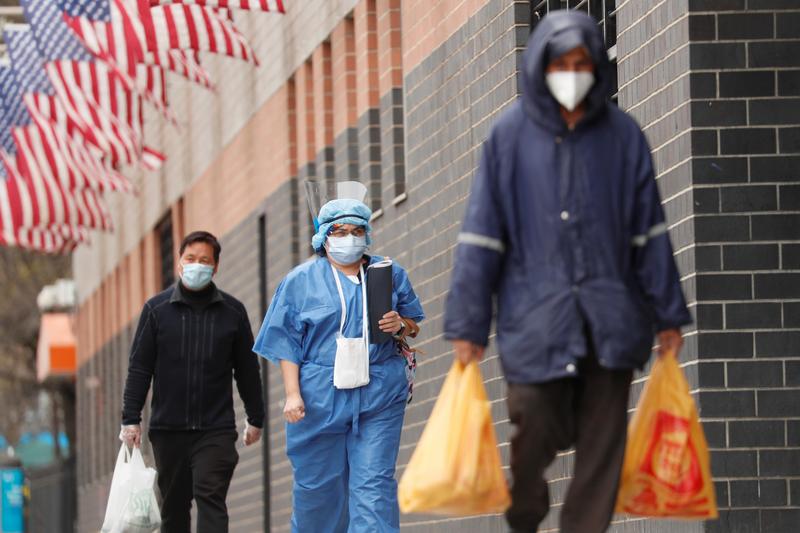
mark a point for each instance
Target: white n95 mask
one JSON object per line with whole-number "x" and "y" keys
{"x": 569, "y": 88}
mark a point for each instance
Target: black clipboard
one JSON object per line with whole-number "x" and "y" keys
{"x": 379, "y": 298}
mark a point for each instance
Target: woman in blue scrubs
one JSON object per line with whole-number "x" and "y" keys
{"x": 342, "y": 442}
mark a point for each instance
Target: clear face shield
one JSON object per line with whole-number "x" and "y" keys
{"x": 319, "y": 193}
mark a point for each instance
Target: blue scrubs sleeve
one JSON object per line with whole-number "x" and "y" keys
{"x": 281, "y": 334}
{"x": 408, "y": 304}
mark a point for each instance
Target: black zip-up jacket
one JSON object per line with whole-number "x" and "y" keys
{"x": 192, "y": 354}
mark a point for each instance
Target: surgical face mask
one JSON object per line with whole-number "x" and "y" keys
{"x": 569, "y": 88}
{"x": 347, "y": 250}
{"x": 196, "y": 276}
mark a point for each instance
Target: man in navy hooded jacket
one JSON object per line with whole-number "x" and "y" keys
{"x": 564, "y": 226}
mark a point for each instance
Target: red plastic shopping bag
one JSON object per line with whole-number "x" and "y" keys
{"x": 666, "y": 471}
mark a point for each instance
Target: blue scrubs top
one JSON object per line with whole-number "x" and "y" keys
{"x": 303, "y": 319}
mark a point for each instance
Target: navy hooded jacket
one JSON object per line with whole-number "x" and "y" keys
{"x": 565, "y": 228}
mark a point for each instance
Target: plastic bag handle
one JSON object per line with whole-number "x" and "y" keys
{"x": 124, "y": 455}
{"x": 136, "y": 458}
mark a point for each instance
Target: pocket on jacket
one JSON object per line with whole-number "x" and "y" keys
{"x": 622, "y": 322}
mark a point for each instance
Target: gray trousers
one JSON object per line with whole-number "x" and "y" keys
{"x": 588, "y": 412}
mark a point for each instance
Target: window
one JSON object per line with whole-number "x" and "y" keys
{"x": 604, "y": 11}
{"x": 166, "y": 248}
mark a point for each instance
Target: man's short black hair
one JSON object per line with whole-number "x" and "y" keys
{"x": 202, "y": 236}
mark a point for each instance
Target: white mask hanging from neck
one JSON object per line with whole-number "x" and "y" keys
{"x": 569, "y": 88}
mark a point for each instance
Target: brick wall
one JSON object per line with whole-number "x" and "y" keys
{"x": 365, "y": 23}
{"x": 746, "y": 166}
{"x": 345, "y": 112}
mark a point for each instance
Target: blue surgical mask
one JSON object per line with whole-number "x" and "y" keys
{"x": 347, "y": 250}
{"x": 196, "y": 276}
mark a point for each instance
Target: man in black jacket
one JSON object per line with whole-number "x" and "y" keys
{"x": 191, "y": 340}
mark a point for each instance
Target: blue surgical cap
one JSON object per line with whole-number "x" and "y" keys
{"x": 341, "y": 211}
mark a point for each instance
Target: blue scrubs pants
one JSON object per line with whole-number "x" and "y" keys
{"x": 343, "y": 480}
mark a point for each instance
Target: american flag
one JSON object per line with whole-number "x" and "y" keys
{"x": 44, "y": 171}
{"x": 27, "y": 66}
{"x": 96, "y": 103}
{"x": 102, "y": 26}
{"x": 67, "y": 116}
{"x": 20, "y": 220}
{"x": 9, "y": 88}
{"x": 18, "y": 217}
{"x": 39, "y": 159}
{"x": 274, "y": 6}
{"x": 11, "y": 94}
{"x": 103, "y": 41}
{"x": 22, "y": 217}
{"x": 129, "y": 29}
{"x": 193, "y": 27}
{"x": 16, "y": 206}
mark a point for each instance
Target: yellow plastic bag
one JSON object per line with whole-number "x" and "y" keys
{"x": 455, "y": 469}
{"x": 666, "y": 471}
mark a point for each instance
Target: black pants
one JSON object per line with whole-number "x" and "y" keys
{"x": 199, "y": 465}
{"x": 589, "y": 412}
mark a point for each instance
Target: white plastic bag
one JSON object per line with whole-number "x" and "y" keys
{"x": 132, "y": 505}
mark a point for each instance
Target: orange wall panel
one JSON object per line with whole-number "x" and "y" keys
{"x": 249, "y": 169}
{"x": 83, "y": 320}
{"x": 343, "y": 69}
{"x": 390, "y": 45}
{"x": 304, "y": 114}
{"x": 366, "y": 41}
{"x": 323, "y": 95}
{"x": 178, "y": 226}
{"x": 428, "y": 23}
{"x": 152, "y": 269}
{"x": 62, "y": 359}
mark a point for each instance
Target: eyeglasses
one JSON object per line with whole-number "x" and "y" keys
{"x": 358, "y": 231}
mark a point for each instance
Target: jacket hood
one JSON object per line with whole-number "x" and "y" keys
{"x": 557, "y": 33}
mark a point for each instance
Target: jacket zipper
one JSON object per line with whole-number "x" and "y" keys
{"x": 185, "y": 357}
{"x": 195, "y": 369}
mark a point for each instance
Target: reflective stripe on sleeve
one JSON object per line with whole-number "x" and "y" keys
{"x": 483, "y": 241}
{"x": 655, "y": 231}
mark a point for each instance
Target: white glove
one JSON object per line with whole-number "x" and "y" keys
{"x": 251, "y": 434}
{"x": 131, "y": 435}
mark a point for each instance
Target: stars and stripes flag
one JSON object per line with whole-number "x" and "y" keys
{"x": 97, "y": 104}
{"x": 23, "y": 223}
{"x": 131, "y": 28}
{"x": 192, "y": 27}
{"x": 272, "y": 6}
{"x": 48, "y": 119}
{"x": 16, "y": 205}
{"x": 112, "y": 31}
{"x": 71, "y": 108}
{"x": 64, "y": 194}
